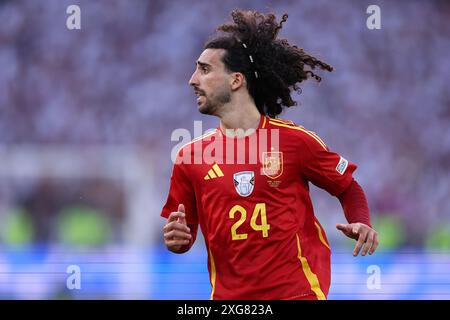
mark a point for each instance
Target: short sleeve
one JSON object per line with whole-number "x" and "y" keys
{"x": 324, "y": 168}
{"x": 181, "y": 191}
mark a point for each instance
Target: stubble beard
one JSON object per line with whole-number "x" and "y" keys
{"x": 212, "y": 105}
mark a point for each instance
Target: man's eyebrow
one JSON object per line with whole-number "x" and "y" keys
{"x": 202, "y": 64}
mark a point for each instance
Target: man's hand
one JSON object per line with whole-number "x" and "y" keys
{"x": 176, "y": 232}
{"x": 364, "y": 235}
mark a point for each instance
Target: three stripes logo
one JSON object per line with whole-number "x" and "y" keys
{"x": 213, "y": 173}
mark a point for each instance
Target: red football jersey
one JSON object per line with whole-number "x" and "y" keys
{"x": 251, "y": 198}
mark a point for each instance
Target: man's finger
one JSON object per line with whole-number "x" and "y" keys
{"x": 176, "y": 234}
{"x": 177, "y": 242}
{"x": 359, "y": 243}
{"x": 342, "y": 227}
{"x": 375, "y": 244}
{"x": 369, "y": 242}
{"x": 175, "y": 225}
{"x": 182, "y": 219}
{"x": 175, "y": 216}
{"x": 345, "y": 228}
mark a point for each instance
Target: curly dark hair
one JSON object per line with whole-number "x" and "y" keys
{"x": 272, "y": 67}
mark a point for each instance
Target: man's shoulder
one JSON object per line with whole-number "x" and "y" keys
{"x": 291, "y": 130}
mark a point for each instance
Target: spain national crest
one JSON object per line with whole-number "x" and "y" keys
{"x": 272, "y": 164}
{"x": 244, "y": 182}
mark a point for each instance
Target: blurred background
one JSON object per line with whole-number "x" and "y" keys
{"x": 86, "y": 118}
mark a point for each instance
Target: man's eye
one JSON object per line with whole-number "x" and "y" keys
{"x": 205, "y": 69}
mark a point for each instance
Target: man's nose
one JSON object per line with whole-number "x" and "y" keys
{"x": 193, "y": 81}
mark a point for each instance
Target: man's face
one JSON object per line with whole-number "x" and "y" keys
{"x": 211, "y": 82}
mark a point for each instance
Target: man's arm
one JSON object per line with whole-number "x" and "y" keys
{"x": 356, "y": 209}
{"x": 333, "y": 173}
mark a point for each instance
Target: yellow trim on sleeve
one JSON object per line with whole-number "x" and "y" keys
{"x": 282, "y": 121}
{"x": 314, "y": 136}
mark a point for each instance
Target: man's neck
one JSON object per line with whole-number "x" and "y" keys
{"x": 245, "y": 118}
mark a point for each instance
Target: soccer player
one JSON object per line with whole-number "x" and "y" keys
{"x": 248, "y": 189}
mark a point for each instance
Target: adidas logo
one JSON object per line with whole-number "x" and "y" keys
{"x": 214, "y": 172}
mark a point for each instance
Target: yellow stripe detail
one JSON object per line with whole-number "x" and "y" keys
{"x": 315, "y": 135}
{"x": 264, "y": 122}
{"x": 213, "y": 275}
{"x": 300, "y": 129}
{"x": 206, "y": 177}
{"x": 217, "y": 170}
{"x": 311, "y": 276}
{"x": 212, "y": 174}
{"x": 322, "y": 239}
{"x": 282, "y": 121}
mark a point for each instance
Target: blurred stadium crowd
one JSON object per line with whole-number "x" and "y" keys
{"x": 122, "y": 81}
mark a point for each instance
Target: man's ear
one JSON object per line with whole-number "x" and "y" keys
{"x": 237, "y": 81}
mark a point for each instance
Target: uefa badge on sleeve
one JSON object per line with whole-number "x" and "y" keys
{"x": 342, "y": 166}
